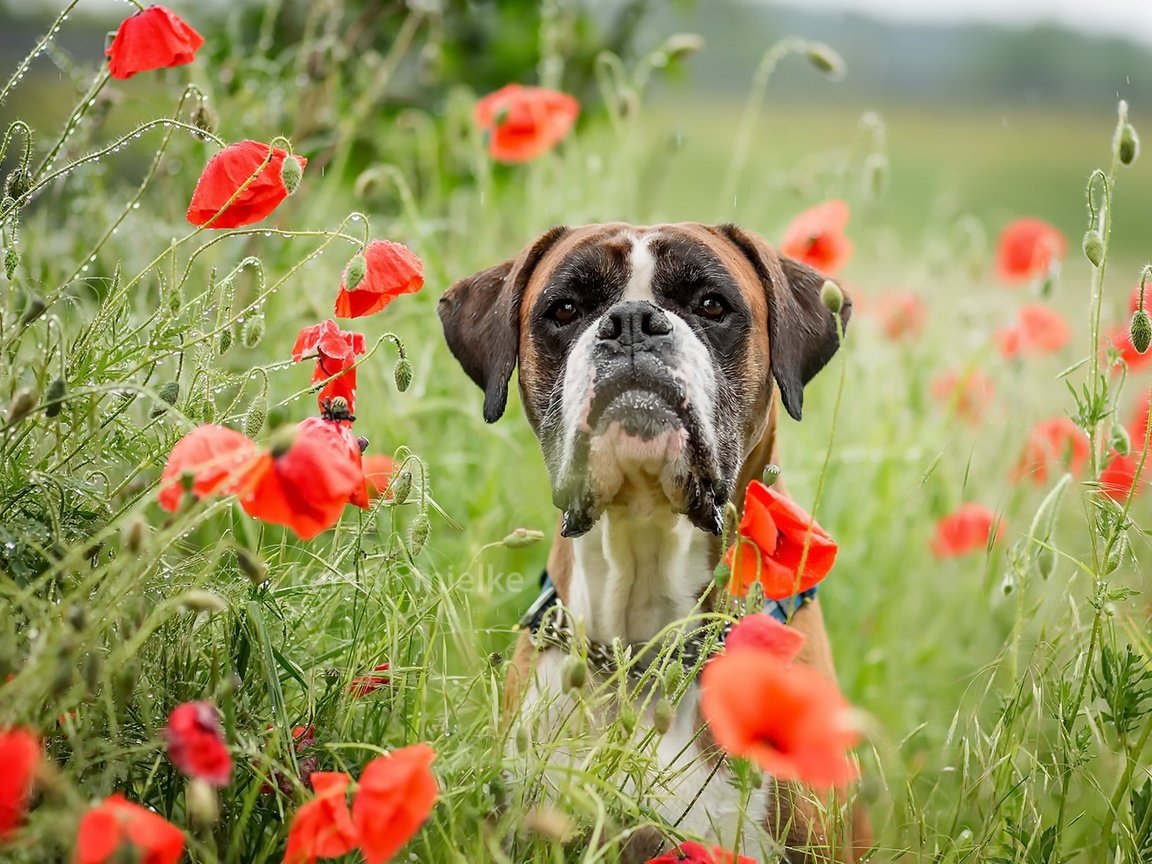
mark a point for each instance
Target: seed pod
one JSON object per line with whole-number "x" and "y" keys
{"x": 255, "y": 416}
{"x": 826, "y": 60}
{"x": 574, "y": 674}
{"x": 54, "y": 397}
{"x": 1093, "y": 245}
{"x": 35, "y": 308}
{"x": 252, "y": 566}
{"x": 662, "y": 716}
{"x": 355, "y": 271}
{"x": 253, "y": 331}
{"x": 418, "y": 534}
{"x": 290, "y": 174}
{"x": 22, "y": 403}
{"x": 403, "y": 374}
{"x": 11, "y": 261}
{"x": 771, "y": 475}
{"x": 1140, "y": 331}
{"x": 522, "y": 537}
{"x": 832, "y": 297}
{"x": 401, "y": 487}
{"x": 225, "y": 341}
{"x": 1127, "y": 144}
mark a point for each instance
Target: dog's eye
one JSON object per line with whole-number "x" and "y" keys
{"x": 563, "y": 312}
{"x": 712, "y": 307}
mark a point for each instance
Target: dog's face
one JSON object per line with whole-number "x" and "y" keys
{"x": 646, "y": 356}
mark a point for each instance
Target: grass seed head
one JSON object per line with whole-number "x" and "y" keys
{"x": 22, "y": 403}
{"x": 252, "y": 566}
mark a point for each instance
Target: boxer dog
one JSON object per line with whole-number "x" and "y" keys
{"x": 649, "y": 359}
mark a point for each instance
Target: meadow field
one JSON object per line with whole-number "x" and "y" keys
{"x": 1004, "y": 690}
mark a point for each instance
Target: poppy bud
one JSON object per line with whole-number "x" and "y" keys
{"x": 203, "y": 805}
{"x": 169, "y": 392}
{"x": 1127, "y": 144}
{"x": 418, "y": 534}
{"x": 225, "y": 341}
{"x": 673, "y": 676}
{"x": 253, "y": 331}
{"x": 523, "y": 739}
{"x": 282, "y": 441}
{"x": 251, "y": 566}
{"x": 627, "y": 717}
{"x": 401, "y": 487}
{"x": 205, "y": 118}
{"x": 21, "y": 405}
{"x": 17, "y": 184}
{"x": 1120, "y": 441}
{"x": 721, "y": 575}
{"x": 826, "y": 60}
{"x": 355, "y": 272}
{"x": 522, "y": 537}
{"x": 574, "y": 674}
{"x": 1045, "y": 561}
{"x": 1115, "y": 555}
{"x": 662, "y": 716}
{"x": 255, "y": 416}
{"x": 135, "y": 533}
{"x": 35, "y": 308}
{"x": 290, "y": 174}
{"x": 54, "y": 398}
{"x": 403, "y": 374}
{"x": 1093, "y": 246}
{"x": 198, "y": 600}
{"x": 832, "y": 297}
{"x": 11, "y": 261}
{"x": 876, "y": 174}
{"x": 771, "y": 475}
{"x": 1140, "y": 331}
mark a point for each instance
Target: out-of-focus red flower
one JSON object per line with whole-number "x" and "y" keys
{"x": 19, "y": 756}
{"x": 244, "y": 175}
{"x": 1037, "y": 330}
{"x": 525, "y": 122}
{"x": 395, "y": 796}
{"x": 390, "y": 269}
{"x": 790, "y": 720}
{"x": 1027, "y": 249}
{"x": 967, "y": 393}
{"x": 965, "y": 530}
{"x": 690, "y": 852}
{"x": 153, "y": 38}
{"x": 323, "y": 827}
{"x": 375, "y": 680}
{"x": 1057, "y": 440}
{"x": 901, "y": 315}
{"x": 117, "y": 822}
{"x": 378, "y": 472}
{"x": 335, "y": 352}
{"x": 773, "y": 533}
{"x": 816, "y": 237}
{"x": 306, "y": 486}
{"x": 764, "y": 633}
{"x": 1119, "y": 477}
{"x": 217, "y": 458}
{"x": 196, "y": 743}
{"x": 1120, "y": 338}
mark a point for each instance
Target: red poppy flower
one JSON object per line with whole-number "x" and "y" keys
{"x": 689, "y": 852}
{"x": 115, "y": 822}
{"x": 525, "y": 122}
{"x": 773, "y": 533}
{"x": 967, "y": 393}
{"x": 764, "y": 633}
{"x": 335, "y": 352}
{"x": 395, "y": 796}
{"x": 240, "y": 185}
{"x": 306, "y": 486}
{"x": 378, "y": 472}
{"x": 816, "y": 237}
{"x": 19, "y": 754}
{"x": 901, "y": 316}
{"x": 390, "y": 269}
{"x": 323, "y": 827}
{"x": 1038, "y": 330}
{"x": 1057, "y": 440}
{"x": 217, "y": 458}
{"x": 1027, "y": 249}
{"x": 362, "y": 685}
{"x": 196, "y": 743}
{"x": 965, "y": 530}
{"x": 790, "y": 720}
{"x": 153, "y": 38}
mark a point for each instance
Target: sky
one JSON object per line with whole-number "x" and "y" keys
{"x": 1132, "y": 18}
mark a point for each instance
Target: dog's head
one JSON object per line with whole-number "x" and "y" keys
{"x": 646, "y": 356}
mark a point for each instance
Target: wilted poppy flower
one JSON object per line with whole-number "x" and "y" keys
{"x": 362, "y": 685}
{"x": 773, "y": 533}
{"x": 19, "y": 756}
{"x": 244, "y": 175}
{"x": 335, "y": 352}
{"x": 967, "y": 393}
{"x": 1037, "y": 330}
{"x": 153, "y": 38}
{"x": 690, "y": 852}
{"x": 1028, "y": 247}
{"x": 378, "y": 471}
{"x": 790, "y": 720}
{"x": 764, "y": 633}
{"x": 117, "y": 822}
{"x": 901, "y": 316}
{"x": 965, "y": 530}
{"x": 1056, "y": 440}
{"x": 323, "y": 827}
{"x": 816, "y": 237}
{"x": 217, "y": 458}
{"x": 395, "y": 796}
{"x": 525, "y": 122}
{"x": 306, "y": 486}
{"x": 386, "y": 271}
{"x": 196, "y": 743}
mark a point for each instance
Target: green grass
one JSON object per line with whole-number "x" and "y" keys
{"x": 985, "y": 719}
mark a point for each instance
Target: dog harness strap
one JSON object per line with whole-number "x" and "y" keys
{"x": 534, "y": 617}
{"x": 783, "y": 610}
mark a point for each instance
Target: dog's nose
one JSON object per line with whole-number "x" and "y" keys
{"x": 633, "y": 322}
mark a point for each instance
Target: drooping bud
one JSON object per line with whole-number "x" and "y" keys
{"x": 403, "y": 374}
{"x": 401, "y": 487}
{"x": 662, "y": 716}
{"x": 21, "y": 404}
{"x": 826, "y": 60}
{"x": 771, "y": 475}
{"x": 253, "y": 331}
{"x": 54, "y": 398}
{"x": 1120, "y": 441}
{"x": 251, "y": 566}
{"x": 203, "y": 804}
{"x": 674, "y": 674}
{"x": 225, "y": 341}
{"x": 290, "y": 174}
{"x": 1093, "y": 246}
{"x": 722, "y": 575}
{"x": 1127, "y": 144}
{"x": 169, "y": 392}
{"x": 627, "y": 717}
{"x": 255, "y": 416}
{"x": 205, "y": 118}
{"x": 574, "y": 674}
{"x": 1140, "y": 330}
{"x": 11, "y": 261}
{"x": 418, "y": 534}
{"x": 35, "y": 308}
{"x": 282, "y": 441}
{"x": 522, "y": 537}
{"x": 832, "y": 297}
{"x": 1115, "y": 555}
{"x": 355, "y": 272}
{"x": 17, "y": 184}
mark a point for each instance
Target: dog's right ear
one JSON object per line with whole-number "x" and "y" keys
{"x": 481, "y": 318}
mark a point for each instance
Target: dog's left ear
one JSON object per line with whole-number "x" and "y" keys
{"x": 802, "y": 332}
{"x": 481, "y": 318}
